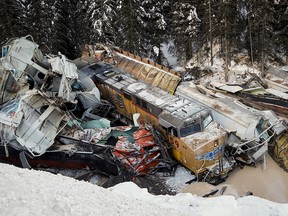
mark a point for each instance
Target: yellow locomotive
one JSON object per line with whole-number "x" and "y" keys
{"x": 197, "y": 141}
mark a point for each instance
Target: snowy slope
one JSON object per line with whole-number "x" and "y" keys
{"x": 30, "y": 192}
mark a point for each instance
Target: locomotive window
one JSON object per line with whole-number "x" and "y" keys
{"x": 127, "y": 96}
{"x": 190, "y": 130}
{"x": 137, "y": 100}
{"x": 207, "y": 120}
{"x": 154, "y": 110}
{"x": 172, "y": 131}
{"x": 144, "y": 105}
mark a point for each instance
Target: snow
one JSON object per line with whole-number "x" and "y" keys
{"x": 165, "y": 48}
{"x": 178, "y": 181}
{"x": 31, "y": 192}
{"x": 156, "y": 50}
{"x": 136, "y": 86}
{"x": 193, "y": 14}
{"x": 238, "y": 73}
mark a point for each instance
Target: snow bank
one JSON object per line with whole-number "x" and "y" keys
{"x": 30, "y": 192}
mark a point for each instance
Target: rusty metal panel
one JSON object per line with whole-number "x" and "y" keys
{"x": 122, "y": 62}
{"x": 169, "y": 83}
{"x": 130, "y": 66}
{"x": 144, "y": 73}
{"x": 158, "y": 78}
{"x": 136, "y": 70}
{"x": 228, "y": 88}
{"x": 148, "y": 73}
{"x": 279, "y": 150}
{"x": 152, "y": 77}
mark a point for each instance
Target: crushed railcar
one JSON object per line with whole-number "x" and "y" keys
{"x": 50, "y": 116}
{"x": 196, "y": 140}
{"x": 251, "y": 131}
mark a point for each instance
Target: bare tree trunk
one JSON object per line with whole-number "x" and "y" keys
{"x": 250, "y": 38}
{"x": 226, "y": 46}
{"x": 210, "y": 34}
{"x": 262, "y": 44}
{"x": 262, "y": 51}
{"x": 188, "y": 51}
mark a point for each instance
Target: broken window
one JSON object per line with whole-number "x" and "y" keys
{"x": 154, "y": 110}
{"x": 172, "y": 131}
{"x": 127, "y": 95}
{"x": 186, "y": 131}
{"x": 144, "y": 105}
{"x": 12, "y": 86}
{"x": 207, "y": 120}
{"x": 137, "y": 101}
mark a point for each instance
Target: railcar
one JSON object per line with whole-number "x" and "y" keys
{"x": 196, "y": 140}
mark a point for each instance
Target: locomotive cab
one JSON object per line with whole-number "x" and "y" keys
{"x": 196, "y": 140}
{"x": 195, "y": 124}
{"x": 185, "y": 121}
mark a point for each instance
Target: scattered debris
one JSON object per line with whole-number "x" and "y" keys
{"x": 196, "y": 140}
{"x": 222, "y": 190}
{"x": 249, "y": 193}
{"x": 212, "y": 192}
{"x": 276, "y": 78}
{"x": 51, "y": 115}
{"x": 250, "y": 130}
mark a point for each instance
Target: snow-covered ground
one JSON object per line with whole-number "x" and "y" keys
{"x": 30, "y": 192}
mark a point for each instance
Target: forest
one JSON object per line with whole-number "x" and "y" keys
{"x": 257, "y": 28}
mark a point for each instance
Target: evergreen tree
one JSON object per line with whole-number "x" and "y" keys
{"x": 39, "y": 15}
{"x": 260, "y": 30}
{"x": 129, "y": 26}
{"x": 154, "y": 27}
{"x": 279, "y": 23}
{"x": 101, "y": 15}
{"x": 83, "y": 21}
{"x": 230, "y": 29}
{"x": 11, "y": 14}
{"x": 185, "y": 27}
{"x": 65, "y": 37}
{"x": 261, "y": 27}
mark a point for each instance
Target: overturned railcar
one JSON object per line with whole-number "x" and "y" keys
{"x": 250, "y": 131}
{"x": 196, "y": 140}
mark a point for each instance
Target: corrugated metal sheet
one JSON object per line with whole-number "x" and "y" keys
{"x": 141, "y": 68}
{"x": 228, "y": 88}
{"x": 148, "y": 73}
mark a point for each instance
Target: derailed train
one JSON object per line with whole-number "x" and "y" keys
{"x": 250, "y": 131}
{"x": 45, "y": 115}
{"x": 196, "y": 140}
